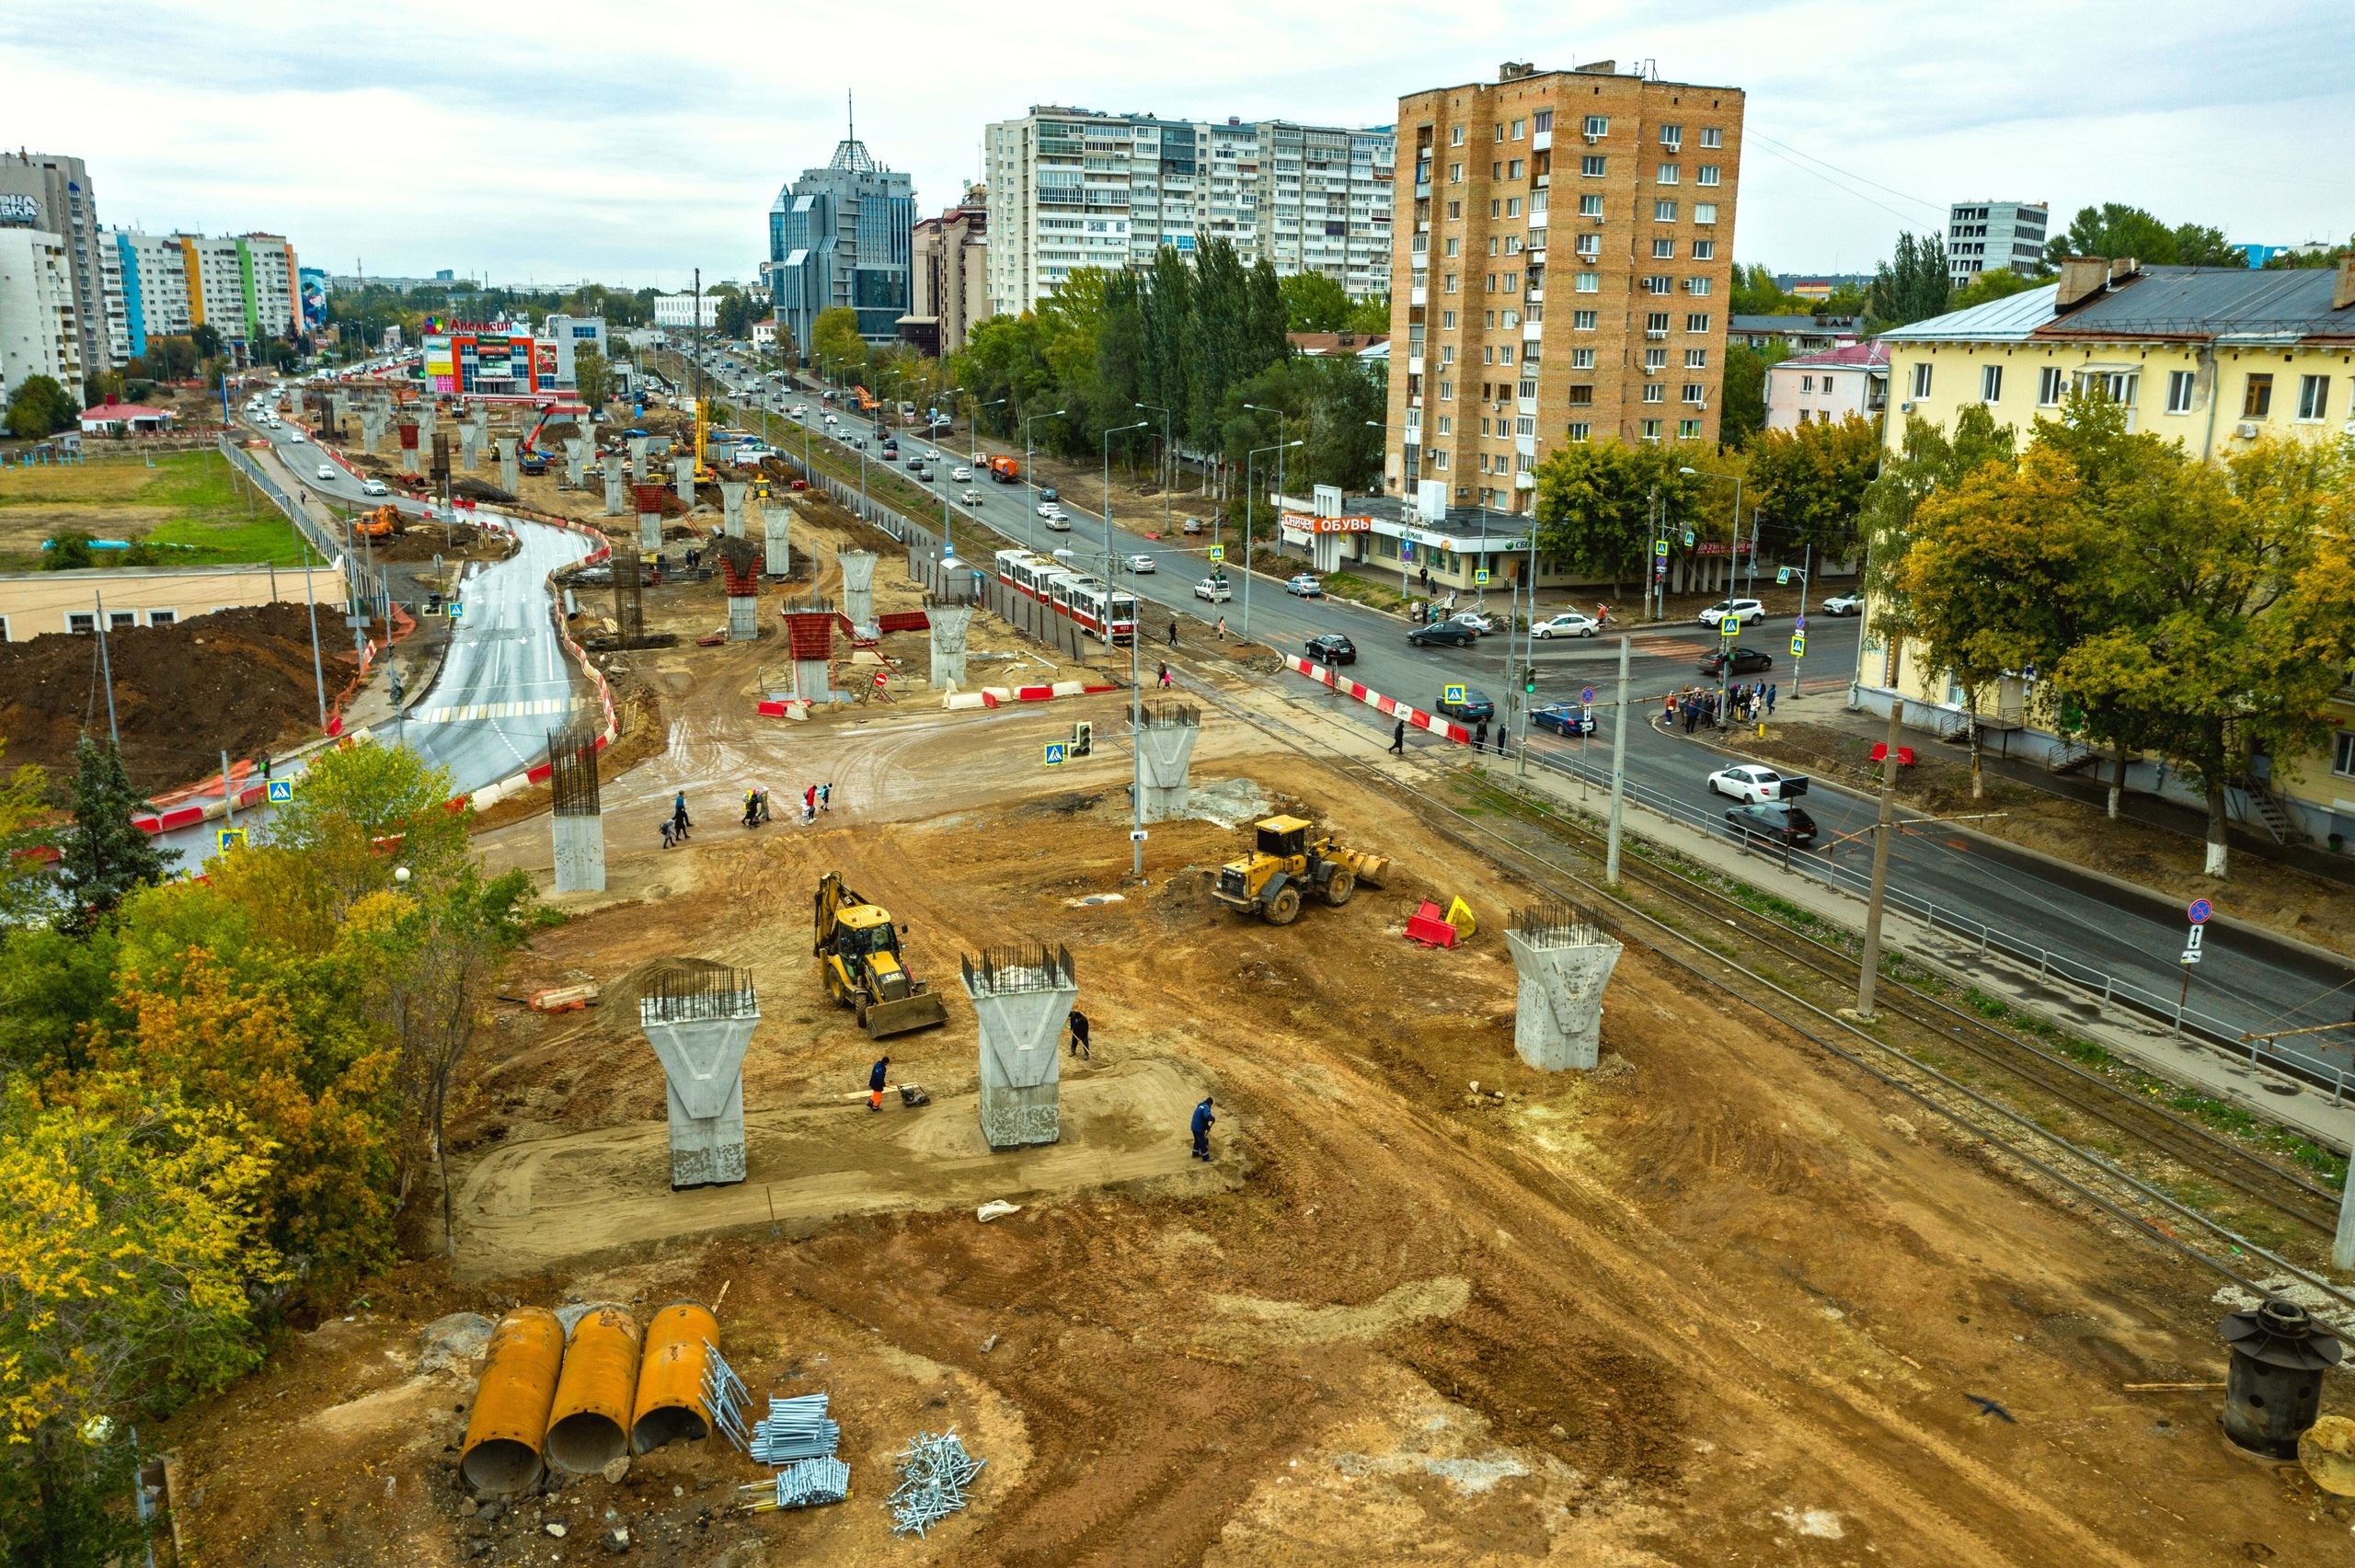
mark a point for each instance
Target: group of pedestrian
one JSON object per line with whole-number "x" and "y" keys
{"x": 756, "y": 806}
{"x": 1163, "y": 680}
{"x": 816, "y": 797}
{"x": 1699, "y": 706}
{"x": 675, "y": 826}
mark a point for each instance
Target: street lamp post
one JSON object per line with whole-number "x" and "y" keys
{"x": 1250, "y": 493}
{"x": 950, "y": 393}
{"x": 1280, "y": 492}
{"x": 1405, "y": 584}
{"x": 1168, "y": 474}
{"x": 1030, "y": 475}
{"x": 973, "y": 434}
{"x": 1136, "y": 663}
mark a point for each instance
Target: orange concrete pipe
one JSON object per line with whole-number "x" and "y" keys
{"x": 588, "y": 1428}
{"x": 507, "y": 1428}
{"x": 670, "y": 1380}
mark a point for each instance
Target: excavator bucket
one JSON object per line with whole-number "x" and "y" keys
{"x": 920, "y": 1011}
{"x": 1372, "y": 868}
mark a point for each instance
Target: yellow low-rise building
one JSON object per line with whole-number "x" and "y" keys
{"x": 2217, "y": 359}
{"x": 35, "y": 602}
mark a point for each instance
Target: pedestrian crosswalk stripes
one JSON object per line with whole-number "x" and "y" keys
{"x": 473, "y": 711}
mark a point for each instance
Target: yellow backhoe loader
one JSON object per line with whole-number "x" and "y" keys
{"x": 858, "y": 955}
{"x": 1286, "y": 865}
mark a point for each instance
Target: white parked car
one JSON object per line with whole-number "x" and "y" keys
{"x": 1749, "y": 609}
{"x": 1474, "y": 619}
{"x": 960, "y": 472}
{"x": 1058, "y": 523}
{"x": 296, "y": 437}
{"x": 1215, "y": 590}
{"x": 373, "y": 488}
{"x": 1569, "y": 623}
{"x": 1143, "y": 563}
{"x": 1305, "y": 586}
{"x": 327, "y": 470}
{"x": 1751, "y": 783}
{"x": 1845, "y": 604}
{"x": 1049, "y": 509}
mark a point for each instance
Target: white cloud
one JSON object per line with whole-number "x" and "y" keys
{"x": 630, "y": 144}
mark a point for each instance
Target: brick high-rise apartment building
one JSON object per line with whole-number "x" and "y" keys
{"x": 1562, "y": 267}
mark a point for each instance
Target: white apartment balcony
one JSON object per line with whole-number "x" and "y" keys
{"x": 1526, "y": 404}
{"x": 1419, "y": 295}
{"x": 1541, "y": 141}
{"x": 1531, "y": 331}
{"x": 1525, "y": 445}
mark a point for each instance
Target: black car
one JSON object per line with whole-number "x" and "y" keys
{"x": 1475, "y": 707}
{"x": 1443, "y": 634}
{"x": 1774, "y": 822}
{"x": 1745, "y": 660}
{"x": 1563, "y": 719}
{"x": 1331, "y": 647}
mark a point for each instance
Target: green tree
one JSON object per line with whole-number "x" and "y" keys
{"x": 1912, "y": 287}
{"x": 207, "y": 342}
{"x": 1743, "y": 412}
{"x": 361, "y": 813}
{"x": 1315, "y": 303}
{"x": 2327, "y": 256}
{"x": 592, "y": 374}
{"x": 1808, "y": 484}
{"x": 40, "y": 407}
{"x": 2234, "y": 624}
{"x": 102, "y": 856}
{"x": 2116, "y": 230}
{"x": 25, "y": 837}
{"x": 732, "y": 315}
{"x": 1216, "y": 328}
{"x": 1369, "y": 316}
{"x": 2199, "y": 245}
{"x": 1597, "y": 500}
{"x": 1167, "y": 303}
{"x": 1755, "y": 292}
{"x": 1928, "y": 458}
{"x": 834, "y": 340}
{"x": 67, "y": 550}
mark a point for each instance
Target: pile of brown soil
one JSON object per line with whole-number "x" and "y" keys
{"x": 240, "y": 679}
{"x": 480, "y": 490}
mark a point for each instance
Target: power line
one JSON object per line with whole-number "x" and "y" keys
{"x": 1850, "y": 174}
{"x": 1901, "y": 217}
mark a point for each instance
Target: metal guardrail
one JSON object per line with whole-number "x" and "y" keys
{"x": 373, "y": 584}
{"x": 2207, "y": 1028}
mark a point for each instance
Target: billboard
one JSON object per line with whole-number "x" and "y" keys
{"x": 315, "y": 298}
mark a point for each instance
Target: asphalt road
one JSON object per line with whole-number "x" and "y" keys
{"x": 2245, "y": 980}
{"x": 505, "y": 683}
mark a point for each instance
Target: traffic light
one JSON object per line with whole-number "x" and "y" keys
{"x": 1083, "y": 738}
{"x": 1529, "y": 679}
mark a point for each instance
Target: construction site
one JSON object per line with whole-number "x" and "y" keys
{"x": 1539, "y": 1221}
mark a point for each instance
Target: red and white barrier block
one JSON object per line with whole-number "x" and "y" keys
{"x": 1443, "y": 728}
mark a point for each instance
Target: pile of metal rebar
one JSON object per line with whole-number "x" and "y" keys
{"x": 807, "y": 1483}
{"x": 795, "y": 1428}
{"x": 725, "y": 1398}
{"x": 934, "y": 1472}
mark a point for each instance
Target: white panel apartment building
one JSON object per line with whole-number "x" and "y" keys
{"x": 1989, "y": 236}
{"x": 40, "y": 331}
{"x": 1073, "y": 188}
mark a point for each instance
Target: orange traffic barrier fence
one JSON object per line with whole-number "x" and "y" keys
{"x": 670, "y": 1380}
{"x": 588, "y": 1427}
{"x": 506, "y": 1430}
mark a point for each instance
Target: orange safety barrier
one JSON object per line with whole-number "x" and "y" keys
{"x": 589, "y": 1426}
{"x": 506, "y": 1430}
{"x": 670, "y": 1380}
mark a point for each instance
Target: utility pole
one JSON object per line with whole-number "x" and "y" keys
{"x": 1619, "y": 773}
{"x": 228, "y": 792}
{"x": 1883, "y": 830}
{"x": 105, "y": 669}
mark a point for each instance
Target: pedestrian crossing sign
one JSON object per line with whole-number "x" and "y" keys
{"x": 1799, "y": 645}
{"x": 1731, "y": 627}
{"x": 1218, "y": 553}
{"x": 1479, "y": 576}
{"x": 1782, "y": 575}
{"x": 457, "y": 610}
{"x": 1660, "y": 547}
{"x": 1453, "y": 694}
{"x": 281, "y": 791}
{"x": 1055, "y": 751}
{"x": 227, "y": 838}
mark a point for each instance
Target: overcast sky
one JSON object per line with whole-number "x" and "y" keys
{"x": 632, "y": 143}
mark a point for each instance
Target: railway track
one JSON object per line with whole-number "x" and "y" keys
{"x": 1542, "y": 844}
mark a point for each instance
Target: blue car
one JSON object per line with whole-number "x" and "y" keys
{"x": 1563, "y": 719}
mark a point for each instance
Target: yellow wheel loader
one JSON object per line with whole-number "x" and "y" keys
{"x": 858, "y": 955}
{"x": 1286, "y": 865}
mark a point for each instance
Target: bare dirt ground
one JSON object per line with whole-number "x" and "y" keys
{"x": 1725, "y": 1302}
{"x": 2310, "y": 909}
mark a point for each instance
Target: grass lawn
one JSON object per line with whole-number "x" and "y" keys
{"x": 188, "y": 498}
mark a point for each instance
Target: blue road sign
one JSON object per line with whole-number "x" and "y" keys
{"x": 1453, "y": 694}
{"x": 1055, "y": 750}
{"x": 1799, "y": 645}
{"x": 227, "y": 838}
{"x": 1782, "y": 575}
{"x": 1660, "y": 546}
{"x": 281, "y": 791}
{"x": 1218, "y": 553}
{"x": 1479, "y": 576}
{"x": 2201, "y": 909}
{"x": 1587, "y": 695}
{"x": 457, "y": 610}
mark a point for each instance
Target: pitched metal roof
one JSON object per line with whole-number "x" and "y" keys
{"x": 2007, "y": 320}
{"x": 2231, "y": 305}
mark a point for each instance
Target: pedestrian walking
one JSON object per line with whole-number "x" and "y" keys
{"x": 679, "y": 823}
{"x": 876, "y": 1076}
{"x": 751, "y": 808}
{"x": 1078, "y": 1021}
{"x": 1221, "y": 628}
{"x": 826, "y": 796}
{"x": 1480, "y": 737}
{"x": 1770, "y": 699}
{"x": 1203, "y": 1120}
{"x": 1668, "y": 707}
{"x": 1399, "y": 738}
{"x": 764, "y": 803}
{"x": 1173, "y": 631}
{"x": 666, "y": 839}
{"x": 1692, "y": 715}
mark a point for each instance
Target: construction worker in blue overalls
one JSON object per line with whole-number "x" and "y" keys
{"x": 1203, "y": 1120}
{"x": 876, "y": 1078}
